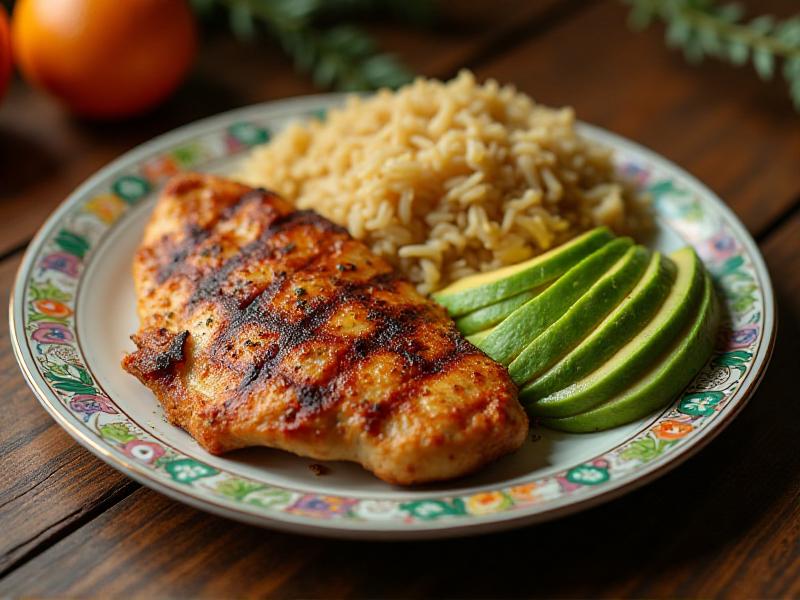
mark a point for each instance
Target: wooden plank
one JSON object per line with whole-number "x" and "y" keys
{"x": 465, "y": 31}
{"x": 46, "y": 153}
{"x": 737, "y": 134}
{"x": 783, "y": 251}
{"x": 47, "y": 482}
{"x": 727, "y": 523}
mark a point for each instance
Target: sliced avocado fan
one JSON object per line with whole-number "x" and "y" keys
{"x": 509, "y": 338}
{"x": 581, "y": 318}
{"x": 669, "y": 375}
{"x": 625, "y": 321}
{"x": 484, "y": 318}
{"x": 481, "y": 290}
{"x": 633, "y": 359}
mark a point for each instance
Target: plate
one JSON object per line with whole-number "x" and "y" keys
{"x": 73, "y": 309}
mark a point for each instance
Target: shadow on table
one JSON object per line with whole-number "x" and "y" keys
{"x": 196, "y": 99}
{"x": 44, "y": 142}
{"x": 24, "y": 161}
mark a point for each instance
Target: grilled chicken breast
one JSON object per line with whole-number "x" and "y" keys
{"x": 262, "y": 325}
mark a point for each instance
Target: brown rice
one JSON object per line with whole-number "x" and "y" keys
{"x": 446, "y": 179}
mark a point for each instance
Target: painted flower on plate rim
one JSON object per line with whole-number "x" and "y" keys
{"x": 144, "y": 451}
{"x": 487, "y": 502}
{"x": 322, "y": 506}
{"x": 89, "y": 404}
{"x": 672, "y": 430}
{"x": 52, "y": 333}
{"x": 52, "y": 308}
{"x": 63, "y": 262}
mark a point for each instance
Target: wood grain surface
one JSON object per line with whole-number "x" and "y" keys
{"x": 71, "y": 526}
{"x": 47, "y": 482}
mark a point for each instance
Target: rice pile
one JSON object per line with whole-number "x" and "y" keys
{"x": 446, "y": 179}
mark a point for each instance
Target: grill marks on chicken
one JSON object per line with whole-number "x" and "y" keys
{"x": 262, "y": 325}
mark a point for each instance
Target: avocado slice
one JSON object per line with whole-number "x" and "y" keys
{"x": 682, "y": 361}
{"x": 636, "y": 356}
{"x": 483, "y": 289}
{"x": 526, "y": 323}
{"x": 581, "y": 318}
{"x": 489, "y": 316}
{"x": 625, "y": 321}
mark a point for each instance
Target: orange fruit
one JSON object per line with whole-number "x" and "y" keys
{"x": 104, "y": 58}
{"x": 5, "y": 52}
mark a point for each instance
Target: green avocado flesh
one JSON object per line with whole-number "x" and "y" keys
{"x": 632, "y": 360}
{"x": 509, "y": 338}
{"x": 581, "y": 318}
{"x": 491, "y": 315}
{"x": 625, "y": 321}
{"x": 669, "y": 375}
{"x": 484, "y": 289}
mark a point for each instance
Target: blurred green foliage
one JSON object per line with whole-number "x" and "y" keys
{"x": 704, "y": 28}
{"x": 320, "y": 37}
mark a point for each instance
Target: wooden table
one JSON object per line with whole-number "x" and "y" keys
{"x": 70, "y": 525}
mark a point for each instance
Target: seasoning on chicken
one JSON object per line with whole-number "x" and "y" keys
{"x": 262, "y": 325}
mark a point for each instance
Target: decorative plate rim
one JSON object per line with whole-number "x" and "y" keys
{"x": 300, "y": 521}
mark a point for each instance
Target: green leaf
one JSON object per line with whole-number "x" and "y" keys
{"x": 735, "y": 357}
{"x": 789, "y": 31}
{"x": 709, "y": 41}
{"x": 326, "y": 73}
{"x": 49, "y": 291}
{"x": 241, "y": 20}
{"x": 349, "y": 41}
{"x": 764, "y": 63}
{"x": 730, "y": 13}
{"x": 117, "y": 431}
{"x": 268, "y": 498}
{"x": 57, "y": 369}
{"x": 298, "y": 11}
{"x": 791, "y": 68}
{"x": 69, "y": 384}
{"x": 643, "y": 450}
{"x": 34, "y": 317}
{"x": 301, "y": 48}
{"x": 731, "y": 265}
{"x": 763, "y": 24}
{"x": 72, "y": 243}
{"x": 84, "y": 376}
{"x": 678, "y": 33}
{"x": 384, "y": 70}
{"x": 237, "y": 488}
{"x": 693, "y": 50}
{"x": 738, "y": 52}
{"x": 75, "y": 387}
